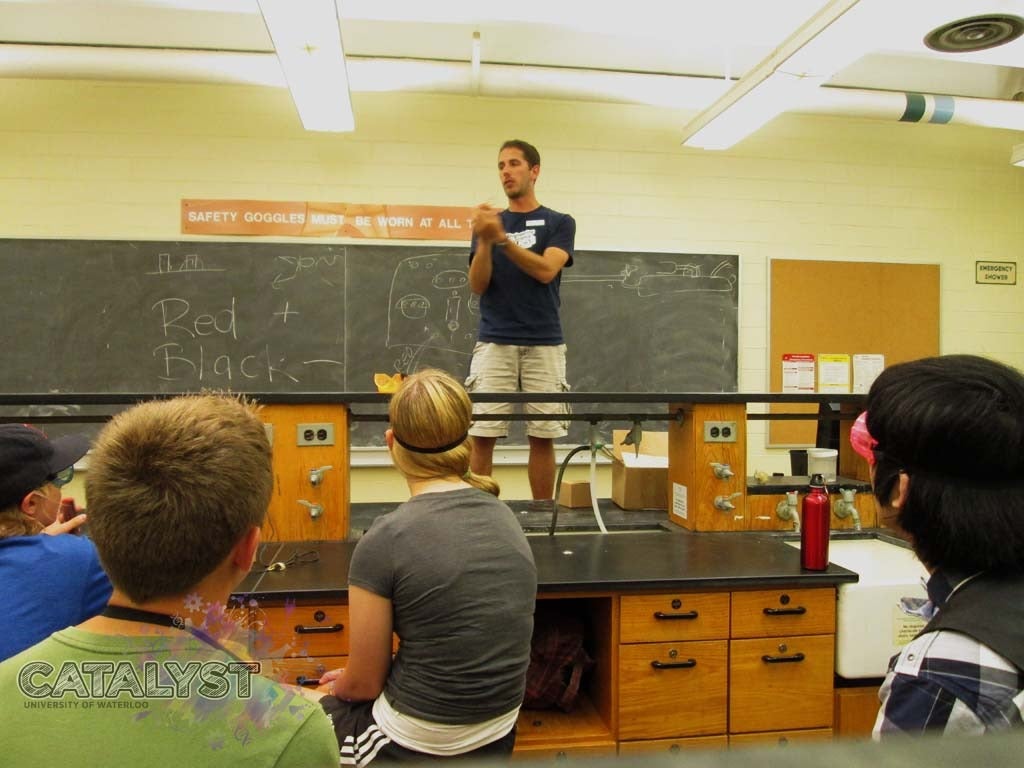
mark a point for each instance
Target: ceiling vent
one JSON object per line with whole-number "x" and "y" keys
{"x": 975, "y": 34}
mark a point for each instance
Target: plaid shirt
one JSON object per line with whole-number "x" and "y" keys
{"x": 947, "y": 682}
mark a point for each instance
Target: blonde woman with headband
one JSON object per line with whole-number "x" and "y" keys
{"x": 451, "y": 573}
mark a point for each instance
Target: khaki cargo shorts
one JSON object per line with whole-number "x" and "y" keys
{"x": 510, "y": 368}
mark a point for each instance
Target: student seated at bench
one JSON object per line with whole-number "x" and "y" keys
{"x": 50, "y": 581}
{"x": 451, "y": 573}
{"x": 177, "y": 493}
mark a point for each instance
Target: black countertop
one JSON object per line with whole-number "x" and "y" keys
{"x": 663, "y": 559}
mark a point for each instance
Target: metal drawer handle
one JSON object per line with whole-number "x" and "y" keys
{"x": 782, "y": 659}
{"x": 311, "y": 681}
{"x": 302, "y": 629}
{"x": 797, "y": 611}
{"x": 661, "y": 615}
{"x": 688, "y": 664}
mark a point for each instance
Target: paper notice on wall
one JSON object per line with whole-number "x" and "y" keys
{"x": 797, "y": 373}
{"x": 833, "y": 373}
{"x": 679, "y": 500}
{"x": 865, "y": 370}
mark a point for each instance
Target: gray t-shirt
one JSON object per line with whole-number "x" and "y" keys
{"x": 462, "y": 583}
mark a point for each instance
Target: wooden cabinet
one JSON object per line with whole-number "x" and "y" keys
{"x": 300, "y": 671}
{"x": 288, "y": 518}
{"x": 781, "y": 682}
{"x": 856, "y": 711}
{"x": 762, "y": 509}
{"x": 756, "y": 665}
{"x": 589, "y": 729}
{"x": 690, "y": 466}
{"x": 679, "y": 687}
{"x": 553, "y": 733}
{"x": 299, "y": 631}
{"x": 672, "y": 746}
{"x": 673, "y": 689}
{"x": 682, "y": 616}
{"x": 778, "y": 738}
{"x": 767, "y": 613}
{"x": 781, "y": 660}
{"x": 672, "y": 671}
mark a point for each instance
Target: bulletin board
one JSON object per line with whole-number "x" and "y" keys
{"x": 850, "y": 308}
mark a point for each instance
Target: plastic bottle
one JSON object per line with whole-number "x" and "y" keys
{"x": 814, "y": 529}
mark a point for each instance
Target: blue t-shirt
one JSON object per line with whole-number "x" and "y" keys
{"x": 516, "y": 308}
{"x": 49, "y": 583}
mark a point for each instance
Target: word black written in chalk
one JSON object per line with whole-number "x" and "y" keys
{"x": 193, "y": 362}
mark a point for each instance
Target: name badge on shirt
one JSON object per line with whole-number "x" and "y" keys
{"x": 535, "y": 222}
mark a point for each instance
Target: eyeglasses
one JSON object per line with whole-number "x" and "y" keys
{"x": 63, "y": 477}
{"x": 861, "y": 440}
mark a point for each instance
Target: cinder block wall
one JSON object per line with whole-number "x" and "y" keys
{"x": 113, "y": 160}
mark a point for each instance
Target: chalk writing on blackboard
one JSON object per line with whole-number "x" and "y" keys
{"x": 669, "y": 277}
{"x": 147, "y": 316}
{"x": 430, "y": 307}
{"x": 168, "y": 263}
{"x": 297, "y": 265}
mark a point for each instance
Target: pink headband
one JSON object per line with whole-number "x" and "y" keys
{"x": 861, "y": 440}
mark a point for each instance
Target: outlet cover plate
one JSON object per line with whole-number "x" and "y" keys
{"x": 321, "y": 433}
{"x": 720, "y": 432}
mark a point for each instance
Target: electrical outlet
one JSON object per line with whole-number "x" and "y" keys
{"x": 315, "y": 434}
{"x": 720, "y": 432}
{"x": 269, "y": 429}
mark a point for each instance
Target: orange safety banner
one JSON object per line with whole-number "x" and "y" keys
{"x": 266, "y": 217}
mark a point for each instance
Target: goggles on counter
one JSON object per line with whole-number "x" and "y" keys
{"x": 861, "y": 440}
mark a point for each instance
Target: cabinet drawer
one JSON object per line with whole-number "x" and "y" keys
{"x": 673, "y": 689}
{"x": 287, "y": 631}
{"x": 566, "y": 752}
{"x": 294, "y": 671}
{"x": 781, "y": 683}
{"x": 779, "y": 738}
{"x": 769, "y": 613}
{"x": 656, "y": 618}
{"x": 672, "y": 746}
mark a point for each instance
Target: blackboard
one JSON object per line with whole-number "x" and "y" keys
{"x": 145, "y": 316}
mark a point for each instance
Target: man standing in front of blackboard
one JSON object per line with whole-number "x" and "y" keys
{"x": 515, "y": 265}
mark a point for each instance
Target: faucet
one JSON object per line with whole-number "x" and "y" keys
{"x": 724, "y": 503}
{"x": 787, "y": 510}
{"x": 722, "y": 471}
{"x": 845, "y": 507}
{"x": 315, "y": 510}
{"x": 316, "y": 476}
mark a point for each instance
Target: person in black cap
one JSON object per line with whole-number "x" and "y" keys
{"x": 49, "y": 581}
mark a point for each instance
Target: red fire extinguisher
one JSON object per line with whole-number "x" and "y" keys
{"x": 815, "y": 523}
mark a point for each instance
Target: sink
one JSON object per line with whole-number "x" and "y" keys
{"x": 870, "y": 626}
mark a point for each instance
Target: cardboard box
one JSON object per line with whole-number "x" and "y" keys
{"x": 574, "y": 495}
{"x": 640, "y": 482}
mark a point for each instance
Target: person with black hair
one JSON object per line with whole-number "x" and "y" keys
{"x": 944, "y": 437}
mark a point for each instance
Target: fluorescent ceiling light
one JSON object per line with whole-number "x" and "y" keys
{"x": 1017, "y": 156}
{"x": 767, "y": 99}
{"x": 307, "y": 39}
{"x": 802, "y": 63}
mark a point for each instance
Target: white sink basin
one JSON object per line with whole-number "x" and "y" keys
{"x": 870, "y": 626}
